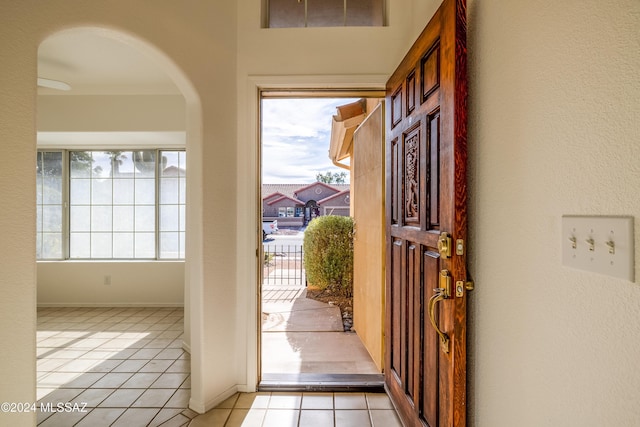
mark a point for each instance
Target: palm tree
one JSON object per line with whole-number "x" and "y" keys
{"x": 117, "y": 159}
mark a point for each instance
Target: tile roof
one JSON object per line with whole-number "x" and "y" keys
{"x": 289, "y": 190}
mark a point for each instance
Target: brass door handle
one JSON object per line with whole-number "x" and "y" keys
{"x": 443, "y": 292}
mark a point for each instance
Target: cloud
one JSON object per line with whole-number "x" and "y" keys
{"x": 295, "y": 138}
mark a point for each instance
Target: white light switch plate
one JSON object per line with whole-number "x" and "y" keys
{"x": 600, "y": 244}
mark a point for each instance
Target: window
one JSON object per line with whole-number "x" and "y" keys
{"x": 324, "y": 13}
{"x": 49, "y": 205}
{"x": 122, "y": 205}
{"x": 285, "y": 211}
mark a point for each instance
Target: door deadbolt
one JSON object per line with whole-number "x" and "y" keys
{"x": 444, "y": 245}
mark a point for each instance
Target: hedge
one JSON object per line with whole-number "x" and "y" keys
{"x": 328, "y": 254}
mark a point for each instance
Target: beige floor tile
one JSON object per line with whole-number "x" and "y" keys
{"x": 317, "y": 401}
{"x": 49, "y": 364}
{"x": 57, "y": 379}
{"x": 156, "y": 366}
{"x": 121, "y": 398}
{"x": 253, "y": 400}
{"x": 180, "y": 365}
{"x": 186, "y": 383}
{"x": 112, "y": 380}
{"x": 93, "y": 396}
{"x": 352, "y": 418}
{"x": 79, "y": 365}
{"x": 85, "y": 380}
{"x": 180, "y": 399}
{"x": 105, "y": 366}
{"x": 145, "y": 353}
{"x": 153, "y": 398}
{"x": 281, "y": 418}
{"x": 141, "y": 380}
{"x": 42, "y": 392}
{"x": 316, "y": 418}
{"x": 213, "y": 418}
{"x": 61, "y": 395}
{"x": 124, "y": 353}
{"x": 136, "y": 417}
{"x": 350, "y": 401}
{"x": 130, "y": 365}
{"x": 101, "y": 417}
{"x": 176, "y": 421}
{"x": 100, "y": 354}
{"x": 170, "y": 353}
{"x": 285, "y": 401}
{"x": 228, "y": 403}
{"x": 159, "y": 343}
{"x": 165, "y": 415}
{"x": 63, "y": 419}
{"x": 379, "y": 401}
{"x": 385, "y": 418}
{"x": 246, "y": 417}
{"x": 171, "y": 380}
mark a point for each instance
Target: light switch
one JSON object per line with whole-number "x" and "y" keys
{"x": 600, "y": 244}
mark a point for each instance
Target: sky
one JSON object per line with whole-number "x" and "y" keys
{"x": 295, "y": 139}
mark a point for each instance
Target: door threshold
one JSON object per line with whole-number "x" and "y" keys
{"x": 373, "y": 383}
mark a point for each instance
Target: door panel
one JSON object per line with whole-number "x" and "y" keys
{"x": 426, "y": 197}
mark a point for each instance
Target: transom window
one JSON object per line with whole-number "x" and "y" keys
{"x": 324, "y": 13}
{"x": 123, "y": 204}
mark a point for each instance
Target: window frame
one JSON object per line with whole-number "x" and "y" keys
{"x": 266, "y": 17}
{"x": 66, "y": 203}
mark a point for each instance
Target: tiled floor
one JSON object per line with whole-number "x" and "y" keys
{"x": 126, "y": 367}
{"x": 126, "y": 364}
{"x": 302, "y": 410}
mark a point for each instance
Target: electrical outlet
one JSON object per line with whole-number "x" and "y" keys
{"x": 107, "y": 280}
{"x": 599, "y": 244}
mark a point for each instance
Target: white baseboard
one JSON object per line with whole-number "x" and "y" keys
{"x": 115, "y": 304}
{"x": 202, "y": 407}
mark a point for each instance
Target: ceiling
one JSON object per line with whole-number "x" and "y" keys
{"x": 97, "y": 65}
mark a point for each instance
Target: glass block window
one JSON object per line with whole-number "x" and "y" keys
{"x": 123, "y": 204}
{"x": 112, "y": 204}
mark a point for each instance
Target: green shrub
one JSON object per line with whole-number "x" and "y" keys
{"x": 328, "y": 254}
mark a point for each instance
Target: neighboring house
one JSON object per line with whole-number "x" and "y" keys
{"x": 294, "y": 205}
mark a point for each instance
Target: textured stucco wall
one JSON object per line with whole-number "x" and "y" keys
{"x": 554, "y": 126}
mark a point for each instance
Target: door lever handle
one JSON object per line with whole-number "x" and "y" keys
{"x": 441, "y": 293}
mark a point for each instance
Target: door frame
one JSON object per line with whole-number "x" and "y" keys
{"x": 249, "y": 201}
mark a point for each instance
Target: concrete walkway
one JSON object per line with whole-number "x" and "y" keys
{"x": 300, "y": 335}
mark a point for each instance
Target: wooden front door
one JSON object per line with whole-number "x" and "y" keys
{"x": 426, "y": 223}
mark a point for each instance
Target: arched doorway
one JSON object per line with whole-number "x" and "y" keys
{"x": 190, "y": 116}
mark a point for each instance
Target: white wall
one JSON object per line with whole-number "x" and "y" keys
{"x": 119, "y": 113}
{"x": 554, "y": 129}
{"x": 131, "y": 283}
